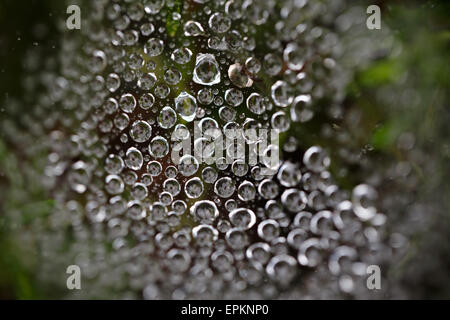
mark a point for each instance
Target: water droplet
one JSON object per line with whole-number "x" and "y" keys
{"x": 205, "y": 235}
{"x": 127, "y": 102}
{"x": 255, "y": 103}
{"x": 316, "y": 159}
{"x": 301, "y": 109}
{"x": 186, "y": 106}
{"x": 289, "y": 174}
{"x": 153, "y": 6}
{"x": 363, "y": 198}
{"x": 133, "y": 158}
{"x": 242, "y": 218}
{"x": 167, "y": 118}
{"x": 154, "y": 47}
{"x": 282, "y": 269}
{"x": 181, "y": 55}
{"x": 172, "y": 76}
{"x": 193, "y": 29}
{"x": 281, "y": 93}
{"x": 219, "y": 22}
{"x": 224, "y": 187}
{"x": 146, "y": 101}
{"x": 238, "y": 76}
{"x": 234, "y": 97}
{"x": 188, "y": 165}
{"x": 253, "y": 65}
{"x": 294, "y": 56}
{"x": 146, "y": 81}
{"x": 205, "y": 96}
{"x": 154, "y": 168}
{"x": 114, "y": 164}
{"x": 158, "y": 147}
{"x": 268, "y": 230}
{"x": 140, "y": 131}
{"x": 246, "y": 191}
{"x": 206, "y": 71}
{"x": 205, "y": 211}
{"x": 193, "y": 188}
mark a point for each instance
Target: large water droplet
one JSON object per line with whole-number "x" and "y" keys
{"x": 186, "y": 106}
{"x": 134, "y": 159}
{"x": 239, "y": 76}
{"x": 206, "y": 71}
{"x": 242, "y": 218}
{"x": 282, "y": 93}
{"x": 205, "y": 211}
{"x": 140, "y": 131}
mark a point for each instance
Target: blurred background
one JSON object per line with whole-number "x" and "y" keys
{"x": 398, "y": 114}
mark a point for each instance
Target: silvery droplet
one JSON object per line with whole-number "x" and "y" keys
{"x": 280, "y": 121}
{"x": 294, "y": 56}
{"x": 246, "y": 191}
{"x": 252, "y": 65}
{"x": 186, "y": 106}
{"x": 205, "y": 235}
{"x": 121, "y": 121}
{"x": 146, "y": 81}
{"x": 301, "y": 109}
{"x": 268, "y": 230}
{"x": 167, "y": 117}
{"x": 205, "y": 211}
{"x": 206, "y": 71}
{"x": 114, "y": 164}
{"x": 158, "y": 147}
{"x": 181, "y": 55}
{"x": 127, "y": 102}
{"x": 140, "y": 131}
{"x": 219, "y": 23}
{"x": 209, "y": 175}
{"x": 289, "y": 174}
{"x": 114, "y": 184}
{"x": 172, "y": 76}
{"x": 193, "y": 188}
{"x": 154, "y": 47}
{"x": 363, "y": 198}
{"x": 146, "y": 101}
{"x": 188, "y": 165}
{"x": 133, "y": 158}
{"x": 154, "y": 168}
{"x": 281, "y": 93}
{"x": 153, "y": 6}
{"x": 242, "y": 218}
{"x": 193, "y": 29}
{"x": 234, "y": 97}
{"x": 224, "y": 187}
{"x": 316, "y": 159}
{"x": 255, "y": 103}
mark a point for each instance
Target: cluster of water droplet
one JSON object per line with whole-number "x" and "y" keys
{"x": 144, "y": 72}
